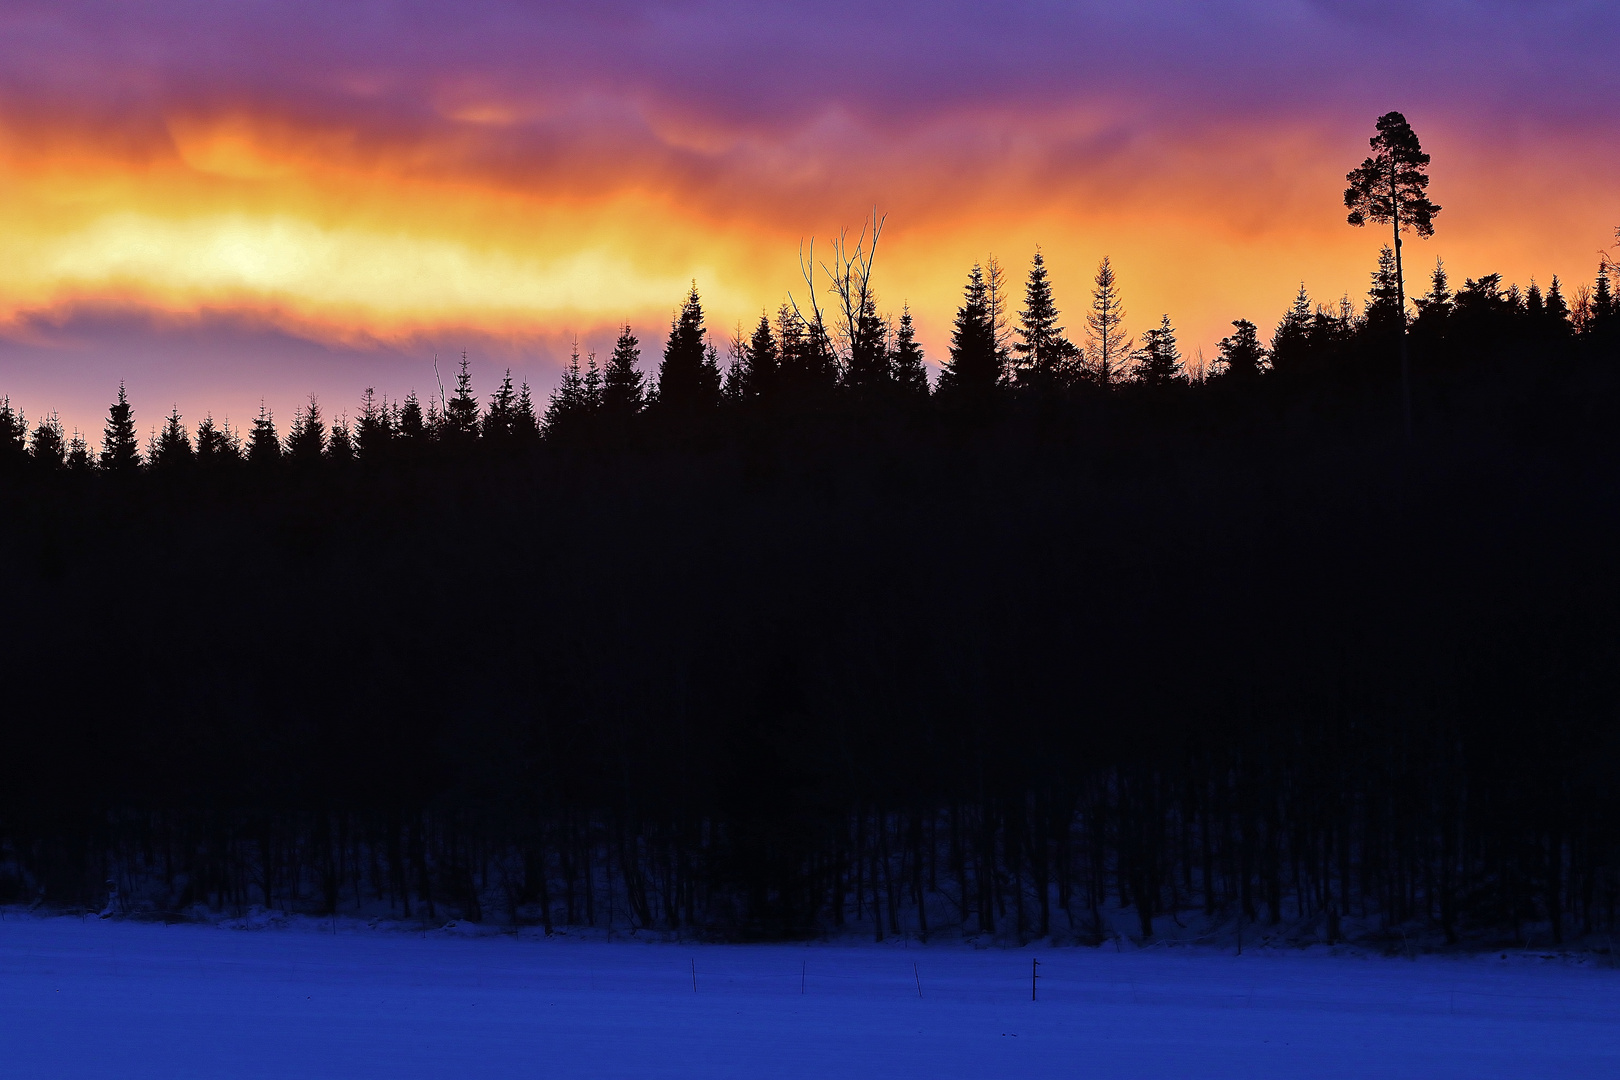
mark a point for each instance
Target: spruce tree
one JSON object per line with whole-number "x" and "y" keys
{"x": 1435, "y": 305}
{"x": 120, "y": 453}
{"x": 1382, "y": 317}
{"x": 906, "y": 362}
{"x": 867, "y": 374}
{"x": 567, "y": 405}
{"x": 412, "y": 426}
{"x": 1159, "y": 364}
{"x": 460, "y": 421}
{"x": 525, "y": 424}
{"x": 216, "y": 445}
{"x": 973, "y": 372}
{"x": 173, "y": 447}
{"x": 264, "y": 445}
{"x": 498, "y": 418}
{"x": 306, "y": 442}
{"x": 689, "y": 377}
{"x": 1557, "y": 310}
{"x": 761, "y": 363}
{"x": 1043, "y": 354}
{"x": 48, "y": 446}
{"x": 1107, "y": 345}
{"x": 622, "y": 390}
{"x": 78, "y": 453}
{"x": 340, "y": 443}
{"x": 996, "y": 304}
{"x": 1291, "y": 341}
{"x": 13, "y": 436}
{"x": 1242, "y": 355}
{"x": 373, "y": 428}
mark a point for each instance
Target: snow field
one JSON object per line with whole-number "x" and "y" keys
{"x": 85, "y": 998}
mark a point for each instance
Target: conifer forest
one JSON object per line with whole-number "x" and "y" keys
{"x": 778, "y": 636}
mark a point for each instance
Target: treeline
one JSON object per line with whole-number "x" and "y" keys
{"x": 779, "y": 638}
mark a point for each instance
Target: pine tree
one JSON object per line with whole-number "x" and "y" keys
{"x": 1383, "y": 315}
{"x": 306, "y": 442}
{"x": 373, "y": 428}
{"x": 525, "y": 425}
{"x": 48, "y": 447}
{"x": 412, "y": 427}
{"x": 1603, "y": 304}
{"x": 591, "y": 387}
{"x": 973, "y": 372}
{"x": 906, "y": 361}
{"x": 460, "y": 422}
{"x": 689, "y": 377}
{"x": 1159, "y": 364}
{"x": 762, "y": 363}
{"x": 1107, "y": 346}
{"x": 567, "y": 402}
{"x": 622, "y": 391}
{"x": 173, "y": 447}
{"x": 867, "y": 374}
{"x": 340, "y": 443}
{"x": 1291, "y": 342}
{"x": 1557, "y": 313}
{"x": 13, "y": 436}
{"x": 1434, "y": 307}
{"x": 78, "y": 454}
{"x": 216, "y": 445}
{"x": 120, "y": 453}
{"x": 498, "y": 418}
{"x": 1242, "y": 355}
{"x": 1043, "y": 353}
{"x": 1391, "y": 188}
{"x": 996, "y": 305}
{"x": 264, "y": 445}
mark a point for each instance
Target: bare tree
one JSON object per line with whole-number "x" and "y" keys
{"x": 1108, "y": 349}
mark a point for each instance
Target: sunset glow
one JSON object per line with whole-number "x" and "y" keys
{"x": 510, "y": 178}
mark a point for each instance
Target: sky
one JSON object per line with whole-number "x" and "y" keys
{"x": 225, "y": 204}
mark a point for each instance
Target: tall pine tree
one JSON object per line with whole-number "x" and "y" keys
{"x": 972, "y": 375}
{"x": 120, "y": 452}
{"x": 689, "y": 377}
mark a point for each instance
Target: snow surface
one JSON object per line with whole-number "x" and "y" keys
{"x": 86, "y": 998}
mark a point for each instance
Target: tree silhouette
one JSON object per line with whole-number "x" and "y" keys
{"x": 373, "y": 428}
{"x": 498, "y": 418}
{"x": 1044, "y": 354}
{"x": 78, "y": 454}
{"x": 689, "y": 377}
{"x": 1107, "y": 346}
{"x": 1391, "y": 188}
{"x": 762, "y": 363}
{"x": 173, "y": 448}
{"x": 48, "y": 447}
{"x": 216, "y": 445}
{"x": 1242, "y": 354}
{"x": 909, "y": 371}
{"x": 120, "y": 453}
{"x": 1159, "y": 363}
{"x": 306, "y": 442}
{"x": 973, "y": 372}
{"x": 13, "y": 435}
{"x": 622, "y": 392}
{"x": 460, "y": 422}
{"x": 264, "y": 446}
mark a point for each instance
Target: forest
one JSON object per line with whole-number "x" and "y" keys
{"x": 777, "y": 637}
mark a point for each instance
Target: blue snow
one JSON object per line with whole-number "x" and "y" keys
{"x": 85, "y": 998}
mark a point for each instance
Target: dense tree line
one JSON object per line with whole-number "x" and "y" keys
{"x": 777, "y": 638}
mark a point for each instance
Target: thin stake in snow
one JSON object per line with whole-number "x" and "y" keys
{"x": 1034, "y": 977}
{"x": 694, "y": 976}
{"x": 918, "y": 977}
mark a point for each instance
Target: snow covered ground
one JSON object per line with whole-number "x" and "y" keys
{"x": 85, "y": 998}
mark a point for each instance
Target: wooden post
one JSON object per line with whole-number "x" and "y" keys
{"x": 1034, "y": 977}
{"x": 694, "y": 976}
{"x": 918, "y": 976}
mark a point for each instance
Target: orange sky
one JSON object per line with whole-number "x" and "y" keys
{"x": 497, "y": 216}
